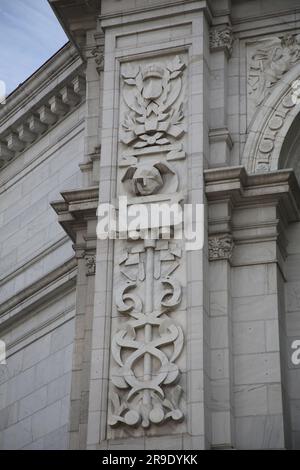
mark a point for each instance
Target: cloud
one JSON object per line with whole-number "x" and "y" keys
{"x": 29, "y": 35}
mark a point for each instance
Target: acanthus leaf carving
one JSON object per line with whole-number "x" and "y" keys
{"x": 90, "y": 262}
{"x": 98, "y": 54}
{"x": 221, "y": 39}
{"x": 220, "y": 247}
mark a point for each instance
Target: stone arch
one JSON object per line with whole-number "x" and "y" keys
{"x": 270, "y": 126}
{"x": 290, "y": 151}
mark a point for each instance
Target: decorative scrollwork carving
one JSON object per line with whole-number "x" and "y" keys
{"x": 142, "y": 339}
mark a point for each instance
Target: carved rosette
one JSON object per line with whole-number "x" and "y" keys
{"x": 221, "y": 39}
{"x": 220, "y": 247}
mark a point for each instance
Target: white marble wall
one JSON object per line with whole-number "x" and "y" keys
{"x": 35, "y": 385}
{"x": 36, "y": 382}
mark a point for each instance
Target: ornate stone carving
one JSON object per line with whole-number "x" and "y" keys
{"x": 154, "y": 122}
{"x": 220, "y": 247}
{"x": 145, "y": 379}
{"x": 267, "y": 141}
{"x": 221, "y": 39}
{"x": 98, "y": 55}
{"x": 147, "y": 178}
{"x": 270, "y": 62}
{"x": 90, "y": 262}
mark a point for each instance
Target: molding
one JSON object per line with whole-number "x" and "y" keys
{"x": 235, "y": 184}
{"x": 277, "y": 15}
{"x": 34, "y": 260}
{"x": 38, "y": 293}
{"x": 41, "y": 157}
{"x": 41, "y": 330}
{"x": 229, "y": 190}
{"x": 30, "y": 112}
{"x": 77, "y": 18}
{"x": 270, "y": 125}
{"x": 221, "y": 134}
{"x": 166, "y": 9}
{"x": 56, "y": 68}
{"x": 77, "y": 207}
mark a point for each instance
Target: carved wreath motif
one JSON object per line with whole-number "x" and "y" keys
{"x": 150, "y": 92}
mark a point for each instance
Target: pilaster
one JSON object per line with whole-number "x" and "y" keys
{"x": 261, "y": 208}
{"x": 153, "y": 58}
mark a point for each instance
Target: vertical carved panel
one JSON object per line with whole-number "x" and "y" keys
{"x": 147, "y": 346}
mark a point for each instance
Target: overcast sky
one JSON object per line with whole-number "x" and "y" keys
{"x": 29, "y": 35}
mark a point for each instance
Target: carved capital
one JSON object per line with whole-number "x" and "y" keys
{"x": 90, "y": 262}
{"x": 98, "y": 55}
{"x": 220, "y": 247}
{"x": 221, "y": 39}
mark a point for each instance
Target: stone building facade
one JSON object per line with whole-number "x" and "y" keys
{"x": 135, "y": 343}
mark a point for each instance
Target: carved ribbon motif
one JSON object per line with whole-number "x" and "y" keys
{"x": 149, "y": 397}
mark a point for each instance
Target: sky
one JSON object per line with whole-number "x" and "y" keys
{"x": 29, "y": 35}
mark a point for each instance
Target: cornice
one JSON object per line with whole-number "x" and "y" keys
{"x": 230, "y": 191}
{"x": 42, "y": 101}
{"x": 235, "y": 184}
{"x": 149, "y": 12}
{"x": 77, "y": 17}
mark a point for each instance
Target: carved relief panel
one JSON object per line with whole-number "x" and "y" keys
{"x": 268, "y": 60}
{"x": 147, "y": 367}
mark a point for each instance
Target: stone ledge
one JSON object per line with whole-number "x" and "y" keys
{"x": 76, "y": 207}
